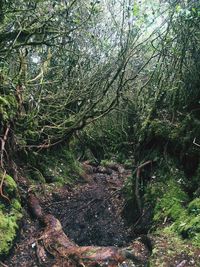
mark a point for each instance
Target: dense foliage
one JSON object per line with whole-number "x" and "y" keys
{"x": 112, "y": 80}
{"x": 62, "y": 66}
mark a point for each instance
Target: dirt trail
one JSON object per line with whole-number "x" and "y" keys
{"x": 90, "y": 214}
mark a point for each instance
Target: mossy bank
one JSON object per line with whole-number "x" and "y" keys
{"x": 175, "y": 213}
{"x": 10, "y": 213}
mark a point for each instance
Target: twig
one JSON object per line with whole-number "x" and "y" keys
{"x": 194, "y": 142}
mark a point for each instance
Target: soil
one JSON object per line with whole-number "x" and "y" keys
{"x": 90, "y": 214}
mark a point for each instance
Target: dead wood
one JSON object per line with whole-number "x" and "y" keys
{"x": 1, "y": 187}
{"x": 67, "y": 253}
{"x": 3, "y": 143}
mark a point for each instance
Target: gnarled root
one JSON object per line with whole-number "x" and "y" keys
{"x": 67, "y": 253}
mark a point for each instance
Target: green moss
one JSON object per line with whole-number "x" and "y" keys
{"x": 128, "y": 163}
{"x": 8, "y": 227}
{"x": 59, "y": 166}
{"x": 188, "y": 223}
{"x": 170, "y": 247}
{"x": 10, "y": 184}
{"x": 178, "y": 135}
{"x": 8, "y": 107}
{"x": 194, "y": 207}
{"x": 16, "y": 205}
{"x": 10, "y": 213}
{"x": 172, "y": 210}
{"x": 61, "y": 180}
{"x": 171, "y": 203}
{"x": 106, "y": 162}
{"x": 195, "y": 182}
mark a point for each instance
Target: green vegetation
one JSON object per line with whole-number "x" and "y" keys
{"x": 10, "y": 214}
{"x": 187, "y": 223}
{"x": 105, "y": 81}
{"x": 173, "y": 211}
{"x": 168, "y": 248}
{"x": 59, "y": 167}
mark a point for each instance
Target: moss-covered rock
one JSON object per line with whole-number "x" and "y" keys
{"x": 10, "y": 213}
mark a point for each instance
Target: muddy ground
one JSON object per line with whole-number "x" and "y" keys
{"x": 90, "y": 214}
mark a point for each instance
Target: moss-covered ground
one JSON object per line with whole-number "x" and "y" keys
{"x": 175, "y": 218}
{"x": 174, "y": 210}
{"x": 10, "y": 214}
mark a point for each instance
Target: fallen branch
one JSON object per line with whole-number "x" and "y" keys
{"x": 65, "y": 251}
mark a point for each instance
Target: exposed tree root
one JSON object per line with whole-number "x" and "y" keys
{"x": 66, "y": 253}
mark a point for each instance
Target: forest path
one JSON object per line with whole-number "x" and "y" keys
{"x": 90, "y": 214}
